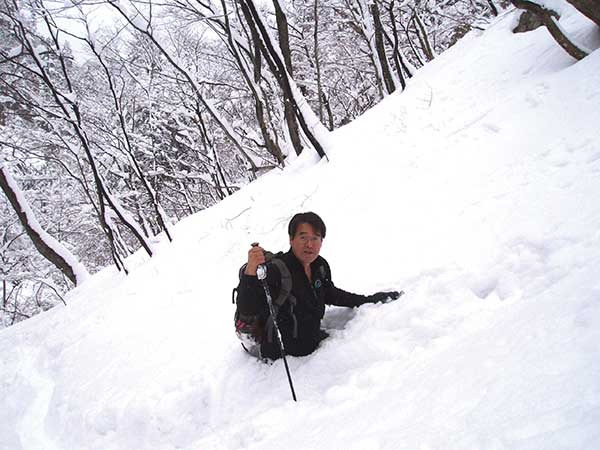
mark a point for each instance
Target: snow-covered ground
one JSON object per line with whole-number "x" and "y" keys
{"x": 475, "y": 191}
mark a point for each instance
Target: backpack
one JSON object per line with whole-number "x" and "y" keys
{"x": 251, "y": 330}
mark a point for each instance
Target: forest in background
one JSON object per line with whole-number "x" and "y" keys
{"x": 110, "y": 134}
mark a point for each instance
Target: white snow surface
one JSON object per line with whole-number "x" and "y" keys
{"x": 475, "y": 191}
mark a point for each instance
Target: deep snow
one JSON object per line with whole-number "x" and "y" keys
{"x": 475, "y": 191}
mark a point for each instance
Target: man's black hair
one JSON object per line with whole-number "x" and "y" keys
{"x": 307, "y": 217}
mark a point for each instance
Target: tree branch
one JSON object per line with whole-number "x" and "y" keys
{"x": 550, "y": 18}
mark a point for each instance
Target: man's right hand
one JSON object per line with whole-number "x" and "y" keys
{"x": 256, "y": 257}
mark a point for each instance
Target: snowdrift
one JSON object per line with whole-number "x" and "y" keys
{"x": 475, "y": 191}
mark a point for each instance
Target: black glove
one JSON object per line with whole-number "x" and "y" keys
{"x": 385, "y": 297}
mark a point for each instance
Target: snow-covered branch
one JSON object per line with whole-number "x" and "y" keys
{"x": 47, "y": 245}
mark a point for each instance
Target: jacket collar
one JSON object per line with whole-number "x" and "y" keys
{"x": 298, "y": 265}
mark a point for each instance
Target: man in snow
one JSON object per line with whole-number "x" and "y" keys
{"x": 299, "y": 317}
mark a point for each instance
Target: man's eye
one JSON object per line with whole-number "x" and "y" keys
{"x": 310, "y": 238}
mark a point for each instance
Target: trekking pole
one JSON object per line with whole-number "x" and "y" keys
{"x": 261, "y": 273}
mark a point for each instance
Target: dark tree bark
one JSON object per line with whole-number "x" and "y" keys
{"x": 284, "y": 36}
{"x": 320, "y": 94}
{"x": 589, "y": 8}
{"x": 423, "y": 37}
{"x": 395, "y": 43}
{"x": 37, "y": 236}
{"x": 388, "y": 81}
{"x": 284, "y": 45}
{"x": 528, "y": 21}
{"x": 327, "y": 106}
{"x": 493, "y": 8}
{"x": 549, "y": 17}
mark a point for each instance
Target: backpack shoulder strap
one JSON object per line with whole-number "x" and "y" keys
{"x": 286, "y": 281}
{"x": 285, "y": 295}
{"x": 285, "y": 288}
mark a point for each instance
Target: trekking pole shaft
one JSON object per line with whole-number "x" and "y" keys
{"x": 262, "y": 276}
{"x": 287, "y": 370}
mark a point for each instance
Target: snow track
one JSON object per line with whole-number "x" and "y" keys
{"x": 32, "y": 427}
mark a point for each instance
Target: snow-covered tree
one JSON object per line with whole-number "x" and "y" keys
{"x": 549, "y": 17}
{"x": 47, "y": 245}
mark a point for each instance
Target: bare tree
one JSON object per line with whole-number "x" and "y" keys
{"x": 310, "y": 124}
{"x": 253, "y": 79}
{"x": 143, "y": 25}
{"x": 126, "y": 140}
{"x": 67, "y": 109}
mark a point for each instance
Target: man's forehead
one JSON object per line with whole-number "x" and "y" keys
{"x": 307, "y": 228}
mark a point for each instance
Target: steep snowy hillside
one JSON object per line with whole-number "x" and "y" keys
{"x": 475, "y": 191}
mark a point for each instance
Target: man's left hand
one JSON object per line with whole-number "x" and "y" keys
{"x": 385, "y": 297}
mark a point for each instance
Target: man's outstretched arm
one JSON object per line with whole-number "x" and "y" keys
{"x": 338, "y": 297}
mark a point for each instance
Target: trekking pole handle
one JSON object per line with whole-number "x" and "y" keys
{"x": 261, "y": 272}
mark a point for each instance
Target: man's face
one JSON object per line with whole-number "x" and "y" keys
{"x": 306, "y": 244}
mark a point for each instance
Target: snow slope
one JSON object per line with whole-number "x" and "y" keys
{"x": 475, "y": 191}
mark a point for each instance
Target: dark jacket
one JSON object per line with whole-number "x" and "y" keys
{"x": 311, "y": 298}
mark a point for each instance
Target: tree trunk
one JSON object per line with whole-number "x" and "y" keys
{"x": 388, "y": 81}
{"x": 253, "y": 82}
{"x": 589, "y": 8}
{"x": 48, "y": 247}
{"x": 493, "y": 8}
{"x": 397, "y": 56}
{"x": 320, "y": 94}
{"x": 327, "y": 107}
{"x": 291, "y": 92}
{"x": 423, "y": 38}
{"x": 284, "y": 45}
{"x": 363, "y": 19}
{"x": 549, "y": 17}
